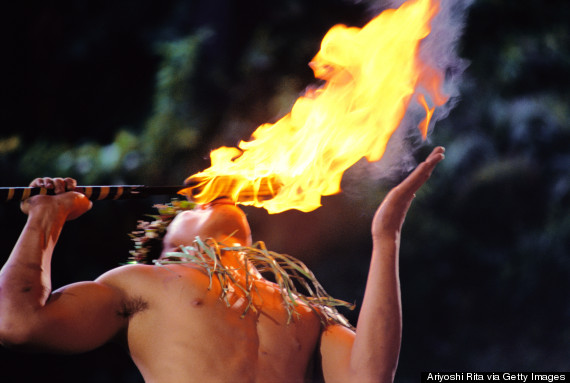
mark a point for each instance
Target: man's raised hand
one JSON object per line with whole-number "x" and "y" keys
{"x": 390, "y": 215}
{"x": 67, "y": 202}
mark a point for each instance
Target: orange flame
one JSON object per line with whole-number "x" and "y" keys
{"x": 371, "y": 75}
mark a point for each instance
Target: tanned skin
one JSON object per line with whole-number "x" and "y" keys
{"x": 175, "y": 328}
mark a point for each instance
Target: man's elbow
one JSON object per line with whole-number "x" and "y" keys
{"x": 373, "y": 376}
{"x": 388, "y": 376}
{"x": 14, "y": 334}
{"x": 380, "y": 378}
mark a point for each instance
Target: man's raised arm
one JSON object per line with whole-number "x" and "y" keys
{"x": 371, "y": 355}
{"x": 79, "y": 317}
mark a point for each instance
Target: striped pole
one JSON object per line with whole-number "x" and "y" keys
{"x": 225, "y": 186}
{"x": 94, "y": 193}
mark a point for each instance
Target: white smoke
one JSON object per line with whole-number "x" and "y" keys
{"x": 439, "y": 50}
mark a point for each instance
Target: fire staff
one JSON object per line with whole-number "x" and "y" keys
{"x": 188, "y": 321}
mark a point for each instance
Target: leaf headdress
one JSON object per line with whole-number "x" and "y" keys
{"x": 287, "y": 271}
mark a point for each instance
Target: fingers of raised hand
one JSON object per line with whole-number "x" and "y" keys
{"x": 391, "y": 214}
{"x": 60, "y": 185}
{"x": 70, "y": 183}
{"x": 422, "y": 172}
{"x": 435, "y": 157}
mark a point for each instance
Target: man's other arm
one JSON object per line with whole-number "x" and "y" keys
{"x": 76, "y": 318}
{"x": 371, "y": 354}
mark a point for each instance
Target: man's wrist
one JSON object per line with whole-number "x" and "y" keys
{"x": 44, "y": 207}
{"x": 386, "y": 236}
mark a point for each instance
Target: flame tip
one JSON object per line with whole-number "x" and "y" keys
{"x": 371, "y": 74}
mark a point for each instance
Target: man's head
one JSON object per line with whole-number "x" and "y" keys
{"x": 221, "y": 220}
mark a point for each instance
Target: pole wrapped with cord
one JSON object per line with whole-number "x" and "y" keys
{"x": 191, "y": 188}
{"x": 94, "y": 193}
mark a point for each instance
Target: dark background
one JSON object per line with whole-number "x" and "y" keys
{"x": 141, "y": 91}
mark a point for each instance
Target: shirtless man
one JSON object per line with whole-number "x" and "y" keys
{"x": 177, "y": 330}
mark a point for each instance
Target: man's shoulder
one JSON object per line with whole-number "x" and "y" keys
{"x": 125, "y": 271}
{"x": 145, "y": 276}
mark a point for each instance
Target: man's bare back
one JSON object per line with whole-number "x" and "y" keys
{"x": 179, "y": 331}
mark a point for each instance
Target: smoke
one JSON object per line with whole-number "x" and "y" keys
{"x": 439, "y": 50}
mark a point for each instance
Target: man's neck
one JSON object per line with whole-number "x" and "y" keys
{"x": 236, "y": 261}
